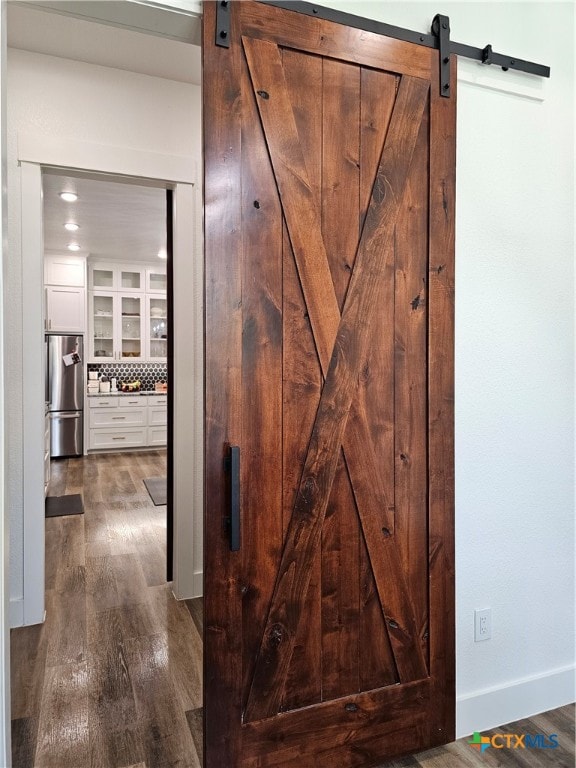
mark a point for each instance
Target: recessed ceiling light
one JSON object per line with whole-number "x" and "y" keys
{"x": 162, "y": 254}
{"x": 71, "y": 227}
{"x": 70, "y": 197}
{"x": 73, "y": 247}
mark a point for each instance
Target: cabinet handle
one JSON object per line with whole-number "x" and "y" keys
{"x": 49, "y": 325}
{"x": 118, "y": 418}
{"x": 118, "y": 438}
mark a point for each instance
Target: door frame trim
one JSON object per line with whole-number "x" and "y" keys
{"x": 179, "y": 173}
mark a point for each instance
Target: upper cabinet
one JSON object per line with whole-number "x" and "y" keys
{"x": 65, "y": 270}
{"x": 156, "y": 280}
{"x": 117, "y": 327}
{"x": 65, "y": 309}
{"x": 65, "y": 293}
{"x": 157, "y": 327}
{"x": 127, "y": 313}
{"x": 117, "y": 277}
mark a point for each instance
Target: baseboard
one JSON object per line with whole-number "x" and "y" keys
{"x": 16, "y": 612}
{"x": 496, "y": 706}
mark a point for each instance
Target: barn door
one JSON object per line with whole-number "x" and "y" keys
{"x": 329, "y": 205}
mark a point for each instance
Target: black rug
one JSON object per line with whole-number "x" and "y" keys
{"x": 156, "y": 487}
{"x": 58, "y": 506}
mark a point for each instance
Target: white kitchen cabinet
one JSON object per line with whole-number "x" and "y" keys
{"x": 156, "y": 328}
{"x": 130, "y": 278}
{"x": 65, "y": 295}
{"x": 115, "y": 439}
{"x": 60, "y": 269}
{"x": 127, "y": 313}
{"x": 156, "y": 280}
{"x": 157, "y": 420}
{"x": 117, "y": 328}
{"x": 119, "y": 422}
{"x": 155, "y": 401}
{"x": 65, "y": 309}
{"x": 118, "y": 417}
{"x": 156, "y": 415}
{"x": 102, "y": 311}
{"x": 131, "y": 328}
{"x": 157, "y": 436}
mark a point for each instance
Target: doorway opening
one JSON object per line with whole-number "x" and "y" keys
{"x": 107, "y": 594}
{"x": 107, "y": 261}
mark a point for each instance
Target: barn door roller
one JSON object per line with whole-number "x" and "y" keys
{"x": 441, "y": 28}
{"x": 223, "y": 23}
{"x": 439, "y": 38}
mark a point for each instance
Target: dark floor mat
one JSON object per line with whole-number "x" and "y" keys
{"x": 58, "y": 506}
{"x": 156, "y": 487}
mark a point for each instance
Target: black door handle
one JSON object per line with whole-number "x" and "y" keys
{"x": 233, "y": 522}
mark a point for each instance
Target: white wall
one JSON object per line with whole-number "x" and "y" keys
{"x": 514, "y": 356}
{"x": 60, "y": 98}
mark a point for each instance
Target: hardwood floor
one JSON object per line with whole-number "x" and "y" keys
{"x": 113, "y": 678}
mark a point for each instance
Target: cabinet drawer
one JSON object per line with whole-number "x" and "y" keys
{"x": 127, "y": 401}
{"x": 118, "y": 417}
{"x": 103, "y": 402}
{"x": 157, "y": 400}
{"x": 157, "y": 436}
{"x": 157, "y": 415}
{"x": 129, "y": 437}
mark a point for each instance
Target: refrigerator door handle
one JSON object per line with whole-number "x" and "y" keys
{"x": 60, "y": 415}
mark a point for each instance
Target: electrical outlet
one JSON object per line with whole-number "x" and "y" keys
{"x": 482, "y": 625}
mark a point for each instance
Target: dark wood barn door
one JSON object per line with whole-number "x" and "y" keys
{"x": 329, "y": 224}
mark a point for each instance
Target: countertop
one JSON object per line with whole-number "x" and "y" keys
{"x": 125, "y": 394}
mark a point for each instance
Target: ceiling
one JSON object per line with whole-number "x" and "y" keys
{"x": 55, "y": 34}
{"x": 117, "y": 220}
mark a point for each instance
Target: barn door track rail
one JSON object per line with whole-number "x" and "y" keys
{"x": 439, "y": 38}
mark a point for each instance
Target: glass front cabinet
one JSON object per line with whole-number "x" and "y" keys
{"x": 117, "y": 327}
{"x": 115, "y": 277}
{"x": 127, "y": 313}
{"x": 156, "y": 281}
{"x": 102, "y": 338}
{"x": 157, "y": 327}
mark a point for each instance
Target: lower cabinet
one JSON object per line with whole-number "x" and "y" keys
{"x": 157, "y": 436}
{"x": 114, "y": 438}
{"x": 118, "y": 422}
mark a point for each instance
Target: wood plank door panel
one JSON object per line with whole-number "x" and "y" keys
{"x": 329, "y": 210}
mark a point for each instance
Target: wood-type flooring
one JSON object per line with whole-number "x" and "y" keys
{"x": 113, "y": 678}
{"x": 114, "y": 675}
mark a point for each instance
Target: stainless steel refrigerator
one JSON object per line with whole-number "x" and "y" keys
{"x": 65, "y": 394}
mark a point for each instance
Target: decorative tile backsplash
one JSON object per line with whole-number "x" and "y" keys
{"x": 147, "y": 373}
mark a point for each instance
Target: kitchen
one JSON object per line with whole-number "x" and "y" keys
{"x": 106, "y": 321}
